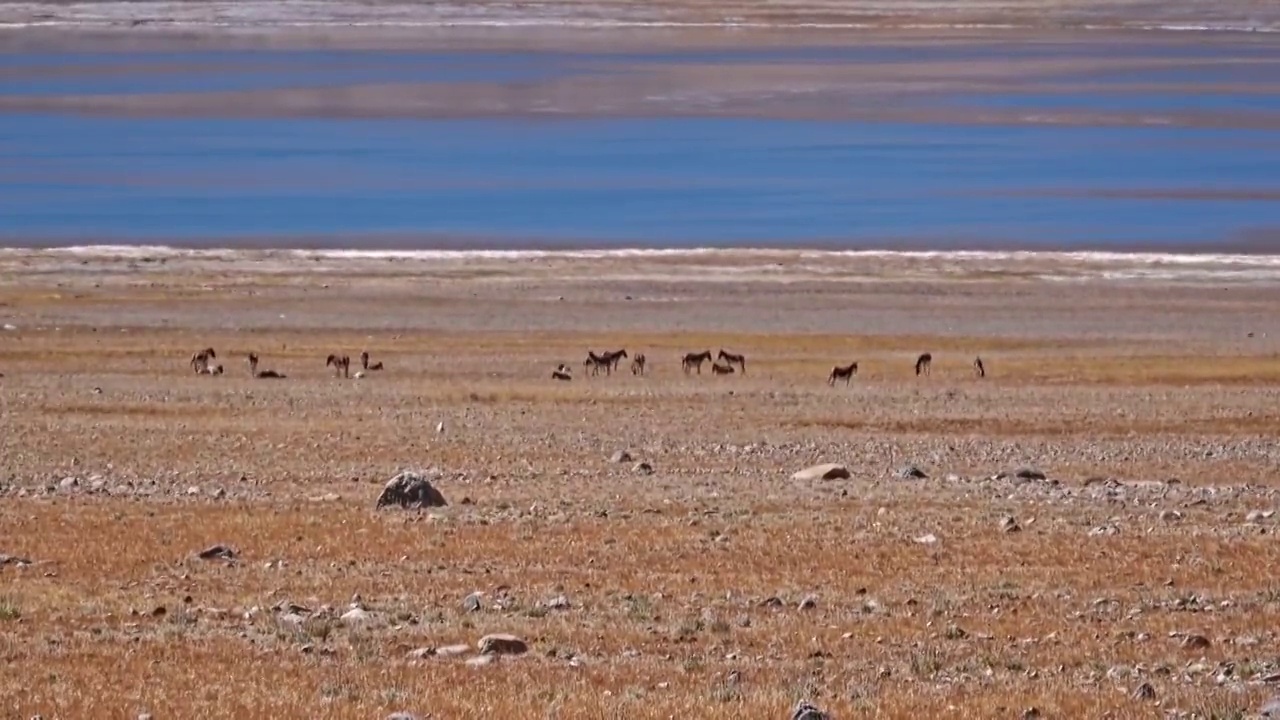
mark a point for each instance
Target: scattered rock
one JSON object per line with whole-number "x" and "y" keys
{"x": 355, "y": 615}
{"x": 642, "y": 468}
{"x": 558, "y": 602}
{"x": 1009, "y": 524}
{"x": 482, "y": 660}
{"x": 911, "y": 472}
{"x": 410, "y": 490}
{"x": 1259, "y": 515}
{"x": 1195, "y": 642}
{"x": 927, "y": 539}
{"x": 14, "y": 560}
{"x": 402, "y": 716}
{"x": 1170, "y": 515}
{"x": 420, "y": 653}
{"x": 805, "y": 710}
{"x": 1029, "y": 474}
{"x": 809, "y": 602}
{"x": 502, "y": 644}
{"x": 69, "y": 483}
{"x": 452, "y": 650}
{"x": 621, "y": 456}
{"x": 1271, "y": 708}
{"x": 827, "y": 471}
{"x": 1144, "y": 692}
{"x": 217, "y": 552}
{"x": 472, "y": 603}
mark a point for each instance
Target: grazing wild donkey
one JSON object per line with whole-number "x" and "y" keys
{"x": 364, "y": 362}
{"x": 719, "y": 369}
{"x": 637, "y": 364}
{"x": 924, "y": 364}
{"x": 341, "y": 365}
{"x": 692, "y": 360}
{"x": 978, "y": 368}
{"x": 842, "y": 373}
{"x": 733, "y": 359}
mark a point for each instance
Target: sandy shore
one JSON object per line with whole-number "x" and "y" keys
{"x": 1148, "y": 403}
{"x": 1183, "y": 14}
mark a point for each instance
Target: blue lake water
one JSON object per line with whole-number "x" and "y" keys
{"x": 611, "y": 181}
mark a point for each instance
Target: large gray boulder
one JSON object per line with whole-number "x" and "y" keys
{"x": 410, "y": 489}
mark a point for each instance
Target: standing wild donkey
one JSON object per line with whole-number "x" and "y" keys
{"x": 842, "y": 373}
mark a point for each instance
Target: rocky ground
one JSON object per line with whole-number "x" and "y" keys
{"x": 1086, "y": 532}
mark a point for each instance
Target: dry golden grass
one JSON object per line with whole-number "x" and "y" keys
{"x": 666, "y": 575}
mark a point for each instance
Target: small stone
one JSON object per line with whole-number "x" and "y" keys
{"x": 642, "y": 468}
{"x": 927, "y": 539}
{"x": 1144, "y": 692}
{"x": 827, "y": 471}
{"x": 355, "y": 615}
{"x": 502, "y": 644}
{"x": 471, "y": 603}
{"x": 911, "y": 472}
{"x": 809, "y": 602}
{"x": 1271, "y": 708}
{"x": 1029, "y": 474}
{"x": 621, "y": 456}
{"x": 1170, "y": 515}
{"x": 559, "y": 602}
{"x": 218, "y": 552}
{"x": 1195, "y": 642}
{"x": 482, "y": 660}
{"x": 1009, "y": 524}
{"x": 420, "y": 653}
{"x": 402, "y": 716}
{"x": 452, "y": 650}
{"x": 805, "y": 710}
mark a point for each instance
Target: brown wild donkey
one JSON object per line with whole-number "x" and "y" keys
{"x": 924, "y": 364}
{"x": 842, "y": 373}
{"x": 695, "y": 360}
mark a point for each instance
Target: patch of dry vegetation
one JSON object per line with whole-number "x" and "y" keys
{"x": 640, "y": 595}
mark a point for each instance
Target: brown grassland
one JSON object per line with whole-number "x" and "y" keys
{"x": 1151, "y": 406}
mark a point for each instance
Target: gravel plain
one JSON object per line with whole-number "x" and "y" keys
{"x": 1085, "y": 532}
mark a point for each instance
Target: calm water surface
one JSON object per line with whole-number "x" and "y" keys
{"x": 610, "y": 181}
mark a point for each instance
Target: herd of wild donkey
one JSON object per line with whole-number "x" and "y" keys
{"x": 722, "y": 364}
{"x": 341, "y": 364}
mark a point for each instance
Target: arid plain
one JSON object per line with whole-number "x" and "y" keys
{"x": 1128, "y": 577}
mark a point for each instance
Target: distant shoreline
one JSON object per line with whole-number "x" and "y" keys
{"x": 427, "y": 246}
{"x": 1257, "y": 256}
